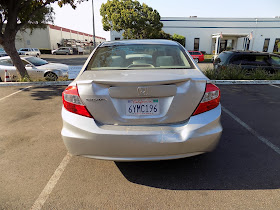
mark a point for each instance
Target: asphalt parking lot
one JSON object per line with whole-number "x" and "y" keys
{"x": 36, "y": 171}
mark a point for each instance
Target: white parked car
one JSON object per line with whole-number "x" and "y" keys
{"x": 29, "y": 51}
{"x": 37, "y": 68}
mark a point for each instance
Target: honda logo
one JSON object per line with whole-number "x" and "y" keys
{"x": 142, "y": 91}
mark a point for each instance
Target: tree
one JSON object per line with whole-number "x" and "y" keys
{"x": 138, "y": 21}
{"x": 179, "y": 38}
{"x": 18, "y": 15}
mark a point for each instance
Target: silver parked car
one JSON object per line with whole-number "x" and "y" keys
{"x": 36, "y": 68}
{"x": 63, "y": 51}
{"x": 140, "y": 100}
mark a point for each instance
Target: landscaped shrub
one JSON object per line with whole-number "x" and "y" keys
{"x": 237, "y": 73}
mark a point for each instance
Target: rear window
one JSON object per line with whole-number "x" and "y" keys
{"x": 275, "y": 60}
{"x": 147, "y": 56}
{"x": 6, "y": 62}
{"x": 196, "y": 53}
{"x": 222, "y": 58}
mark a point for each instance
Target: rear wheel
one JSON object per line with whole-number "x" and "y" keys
{"x": 196, "y": 60}
{"x": 54, "y": 53}
{"x": 50, "y": 76}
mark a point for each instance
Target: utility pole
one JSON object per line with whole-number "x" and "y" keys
{"x": 94, "y": 44}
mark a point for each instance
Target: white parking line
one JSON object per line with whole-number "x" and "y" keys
{"x": 274, "y": 86}
{"x": 38, "y": 204}
{"x": 261, "y": 138}
{"x": 14, "y": 93}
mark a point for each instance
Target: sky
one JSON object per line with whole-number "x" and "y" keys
{"x": 80, "y": 19}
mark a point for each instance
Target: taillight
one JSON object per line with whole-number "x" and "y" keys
{"x": 72, "y": 102}
{"x": 210, "y": 100}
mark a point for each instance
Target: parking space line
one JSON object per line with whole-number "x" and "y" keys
{"x": 252, "y": 131}
{"x": 38, "y": 204}
{"x": 14, "y": 93}
{"x": 274, "y": 85}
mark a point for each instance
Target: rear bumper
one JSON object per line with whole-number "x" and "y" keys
{"x": 82, "y": 136}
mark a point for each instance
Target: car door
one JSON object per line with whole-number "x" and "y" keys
{"x": 32, "y": 70}
{"x": 6, "y": 64}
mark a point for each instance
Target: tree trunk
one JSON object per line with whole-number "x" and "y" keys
{"x": 8, "y": 44}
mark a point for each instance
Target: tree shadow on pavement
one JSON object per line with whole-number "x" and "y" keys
{"x": 45, "y": 93}
{"x": 239, "y": 162}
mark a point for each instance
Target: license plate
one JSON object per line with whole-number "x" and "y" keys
{"x": 142, "y": 106}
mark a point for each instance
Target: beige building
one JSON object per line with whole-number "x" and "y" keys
{"x": 52, "y": 36}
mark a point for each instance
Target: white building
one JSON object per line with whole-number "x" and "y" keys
{"x": 51, "y": 36}
{"x": 214, "y": 35}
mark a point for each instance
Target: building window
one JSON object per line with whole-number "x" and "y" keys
{"x": 265, "y": 45}
{"x": 117, "y": 38}
{"x": 277, "y": 45}
{"x": 196, "y": 44}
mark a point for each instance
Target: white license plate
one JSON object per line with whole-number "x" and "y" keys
{"x": 148, "y": 106}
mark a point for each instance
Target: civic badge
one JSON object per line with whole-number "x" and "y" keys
{"x": 142, "y": 91}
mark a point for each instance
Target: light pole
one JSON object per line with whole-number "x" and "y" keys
{"x": 93, "y": 25}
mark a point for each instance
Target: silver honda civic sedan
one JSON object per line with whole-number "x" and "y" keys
{"x": 140, "y": 100}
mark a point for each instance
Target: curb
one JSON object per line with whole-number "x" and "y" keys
{"x": 245, "y": 82}
{"x": 53, "y": 83}
{"x": 217, "y": 82}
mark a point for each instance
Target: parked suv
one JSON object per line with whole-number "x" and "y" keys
{"x": 63, "y": 51}
{"x": 197, "y": 56}
{"x": 29, "y": 51}
{"x": 248, "y": 60}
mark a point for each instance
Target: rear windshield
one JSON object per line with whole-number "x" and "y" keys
{"x": 145, "y": 56}
{"x": 222, "y": 57}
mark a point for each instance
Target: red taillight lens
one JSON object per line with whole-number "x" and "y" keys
{"x": 210, "y": 100}
{"x": 72, "y": 102}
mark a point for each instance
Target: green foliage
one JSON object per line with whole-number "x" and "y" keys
{"x": 237, "y": 73}
{"x": 18, "y": 15}
{"x": 179, "y": 38}
{"x": 138, "y": 21}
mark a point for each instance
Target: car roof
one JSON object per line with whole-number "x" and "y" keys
{"x": 247, "y": 52}
{"x": 139, "y": 41}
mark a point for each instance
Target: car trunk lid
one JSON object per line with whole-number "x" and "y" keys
{"x": 141, "y": 97}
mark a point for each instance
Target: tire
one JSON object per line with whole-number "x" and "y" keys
{"x": 196, "y": 60}
{"x": 54, "y": 53}
{"x": 50, "y": 76}
{"x": 67, "y": 53}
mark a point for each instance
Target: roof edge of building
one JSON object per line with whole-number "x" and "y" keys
{"x": 72, "y": 31}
